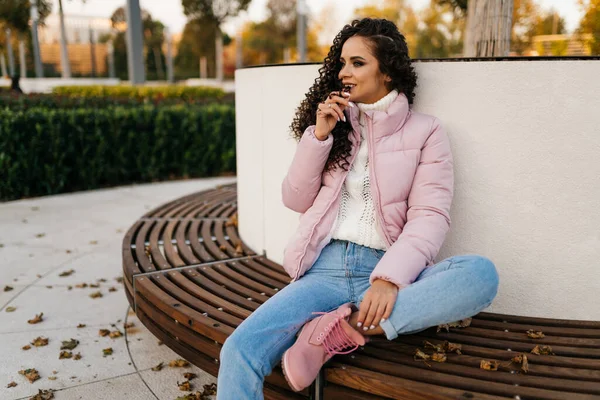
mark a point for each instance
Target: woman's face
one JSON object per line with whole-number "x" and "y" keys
{"x": 361, "y": 69}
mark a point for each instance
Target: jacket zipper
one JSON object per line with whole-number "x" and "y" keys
{"x": 375, "y": 189}
{"x": 337, "y": 192}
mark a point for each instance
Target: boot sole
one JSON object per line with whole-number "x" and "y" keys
{"x": 284, "y": 364}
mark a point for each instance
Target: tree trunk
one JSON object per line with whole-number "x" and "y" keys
{"x": 64, "y": 54}
{"x": 219, "y": 54}
{"x": 488, "y": 28}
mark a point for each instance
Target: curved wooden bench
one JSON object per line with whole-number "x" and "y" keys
{"x": 192, "y": 281}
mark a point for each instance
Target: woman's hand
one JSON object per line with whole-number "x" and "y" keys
{"x": 378, "y": 303}
{"x": 330, "y": 112}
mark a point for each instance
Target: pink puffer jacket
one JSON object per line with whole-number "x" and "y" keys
{"x": 412, "y": 184}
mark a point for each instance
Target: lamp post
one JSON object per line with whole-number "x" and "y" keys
{"x": 301, "y": 11}
{"x": 135, "y": 56}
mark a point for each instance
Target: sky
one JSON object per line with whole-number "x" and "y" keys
{"x": 170, "y": 12}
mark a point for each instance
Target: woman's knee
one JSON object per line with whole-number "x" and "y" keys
{"x": 484, "y": 270}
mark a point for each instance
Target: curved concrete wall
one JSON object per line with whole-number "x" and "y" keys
{"x": 526, "y": 142}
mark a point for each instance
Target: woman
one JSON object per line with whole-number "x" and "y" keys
{"x": 374, "y": 182}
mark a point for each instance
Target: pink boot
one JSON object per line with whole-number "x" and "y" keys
{"x": 317, "y": 342}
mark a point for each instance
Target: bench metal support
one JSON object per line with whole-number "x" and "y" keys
{"x": 317, "y": 387}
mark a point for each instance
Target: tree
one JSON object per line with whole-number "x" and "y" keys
{"x": 215, "y": 12}
{"x": 197, "y": 40}
{"x": 153, "y": 31}
{"x": 526, "y": 14}
{"x": 459, "y": 7}
{"x": 15, "y": 13}
{"x": 590, "y": 24}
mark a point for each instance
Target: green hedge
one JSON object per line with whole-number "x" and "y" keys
{"x": 45, "y": 152}
{"x": 186, "y": 93}
{"x": 17, "y": 102}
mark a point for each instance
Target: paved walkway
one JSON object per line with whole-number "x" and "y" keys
{"x": 79, "y": 235}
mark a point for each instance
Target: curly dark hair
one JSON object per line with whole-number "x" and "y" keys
{"x": 389, "y": 47}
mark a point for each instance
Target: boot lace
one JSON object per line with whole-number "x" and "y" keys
{"x": 335, "y": 339}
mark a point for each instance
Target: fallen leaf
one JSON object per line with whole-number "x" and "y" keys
{"x": 40, "y": 341}
{"x": 94, "y": 285}
{"x": 95, "y": 295}
{"x": 69, "y": 344}
{"x": 49, "y": 286}
{"x": 112, "y": 289}
{"x": 103, "y": 332}
{"x": 437, "y": 347}
{"x": 189, "y": 375}
{"x": 542, "y": 350}
{"x": 81, "y": 285}
{"x": 81, "y": 326}
{"x": 489, "y": 365}
{"x": 521, "y": 359}
{"x": 107, "y": 352}
{"x": 26, "y": 347}
{"x": 178, "y": 363}
{"x": 37, "y": 319}
{"x": 233, "y": 220}
{"x": 69, "y": 287}
{"x": 535, "y": 334}
{"x": 119, "y": 279}
{"x": 43, "y": 395}
{"x": 129, "y": 325}
{"x": 31, "y": 374}
{"x": 93, "y": 242}
{"x": 12, "y": 384}
{"x": 115, "y": 334}
{"x": 438, "y": 357}
{"x": 222, "y": 247}
{"x": 77, "y": 356}
{"x": 40, "y": 235}
{"x": 158, "y": 367}
{"x": 160, "y": 343}
{"x": 66, "y": 273}
{"x": 10, "y": 309}
{"x": 52, "y": 378}
{"x": 452, "y": 347}
{"x": 68, "y": 251}
{"x": 239, "y": 249}
{"x": 65, "y": 354}
{"x": 8, "y": 288}
{"x": 185, "y": 386}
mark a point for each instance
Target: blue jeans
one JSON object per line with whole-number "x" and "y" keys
{"x": 451, "y": 290}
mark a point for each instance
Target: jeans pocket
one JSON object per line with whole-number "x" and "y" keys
{"x": 376, "y": 252}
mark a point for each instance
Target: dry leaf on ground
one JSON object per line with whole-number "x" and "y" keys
{"x": 8, "y": 288}
{"x": 438, "y": 357}
{"x": 65, "y": 354}
{"x": 81, "y": 326}
{"x": 43, "y": 395}
{"x": 158, "y": 367}
{"x": 52, "y": 378}
{"x": 11, "y": 309}
{"x": 40, "y": 341}
{"x": 104, "y": 332}
{"x": 38, "y": 318}
{"x": 94, "y": 285}
{"x": 542, "y": 350}
{"x": 119, "y": 279}
{"x": 535, "y": 334}
{"x": 112, "y": 289}
{"x": 31, "y": 374}
{"x": 12, "y": 384}
{"x": 96, "y": 295}
{"x": 66, "y": 273}
{"x": 115, "y": 334}
{"x": 107, "y": 352}
{"x": 185, "y": 386}
{"x": 81, "y": 285}
{"x": 129, "y": 325}
{"x": 189, "y": 375}
{"x": 178, "y": 363}
{"x": 69, "y": 344}
{"x": 463, "y": 323}
{"x": 40, "y": 235}
{"x": 489, "y": 365}
{"x": 26, "y": 347}
{"x": 77, "y": 356}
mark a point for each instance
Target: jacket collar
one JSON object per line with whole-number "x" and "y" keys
{"x": 384, "y": 122}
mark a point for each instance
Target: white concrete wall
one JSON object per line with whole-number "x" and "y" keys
{"x": 526, "y": 141}
{"x": 45, "y": 85}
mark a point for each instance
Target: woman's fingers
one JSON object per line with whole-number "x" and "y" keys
{"x": 326, "y": 110}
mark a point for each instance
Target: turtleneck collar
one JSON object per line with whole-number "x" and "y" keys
{"x": 381, "y": 104}
{"x": 388, "y": 115}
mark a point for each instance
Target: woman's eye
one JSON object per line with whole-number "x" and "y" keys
{"x": 357, "y": 64}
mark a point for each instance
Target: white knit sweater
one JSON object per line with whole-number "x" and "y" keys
{"x": 355, "y": 221}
